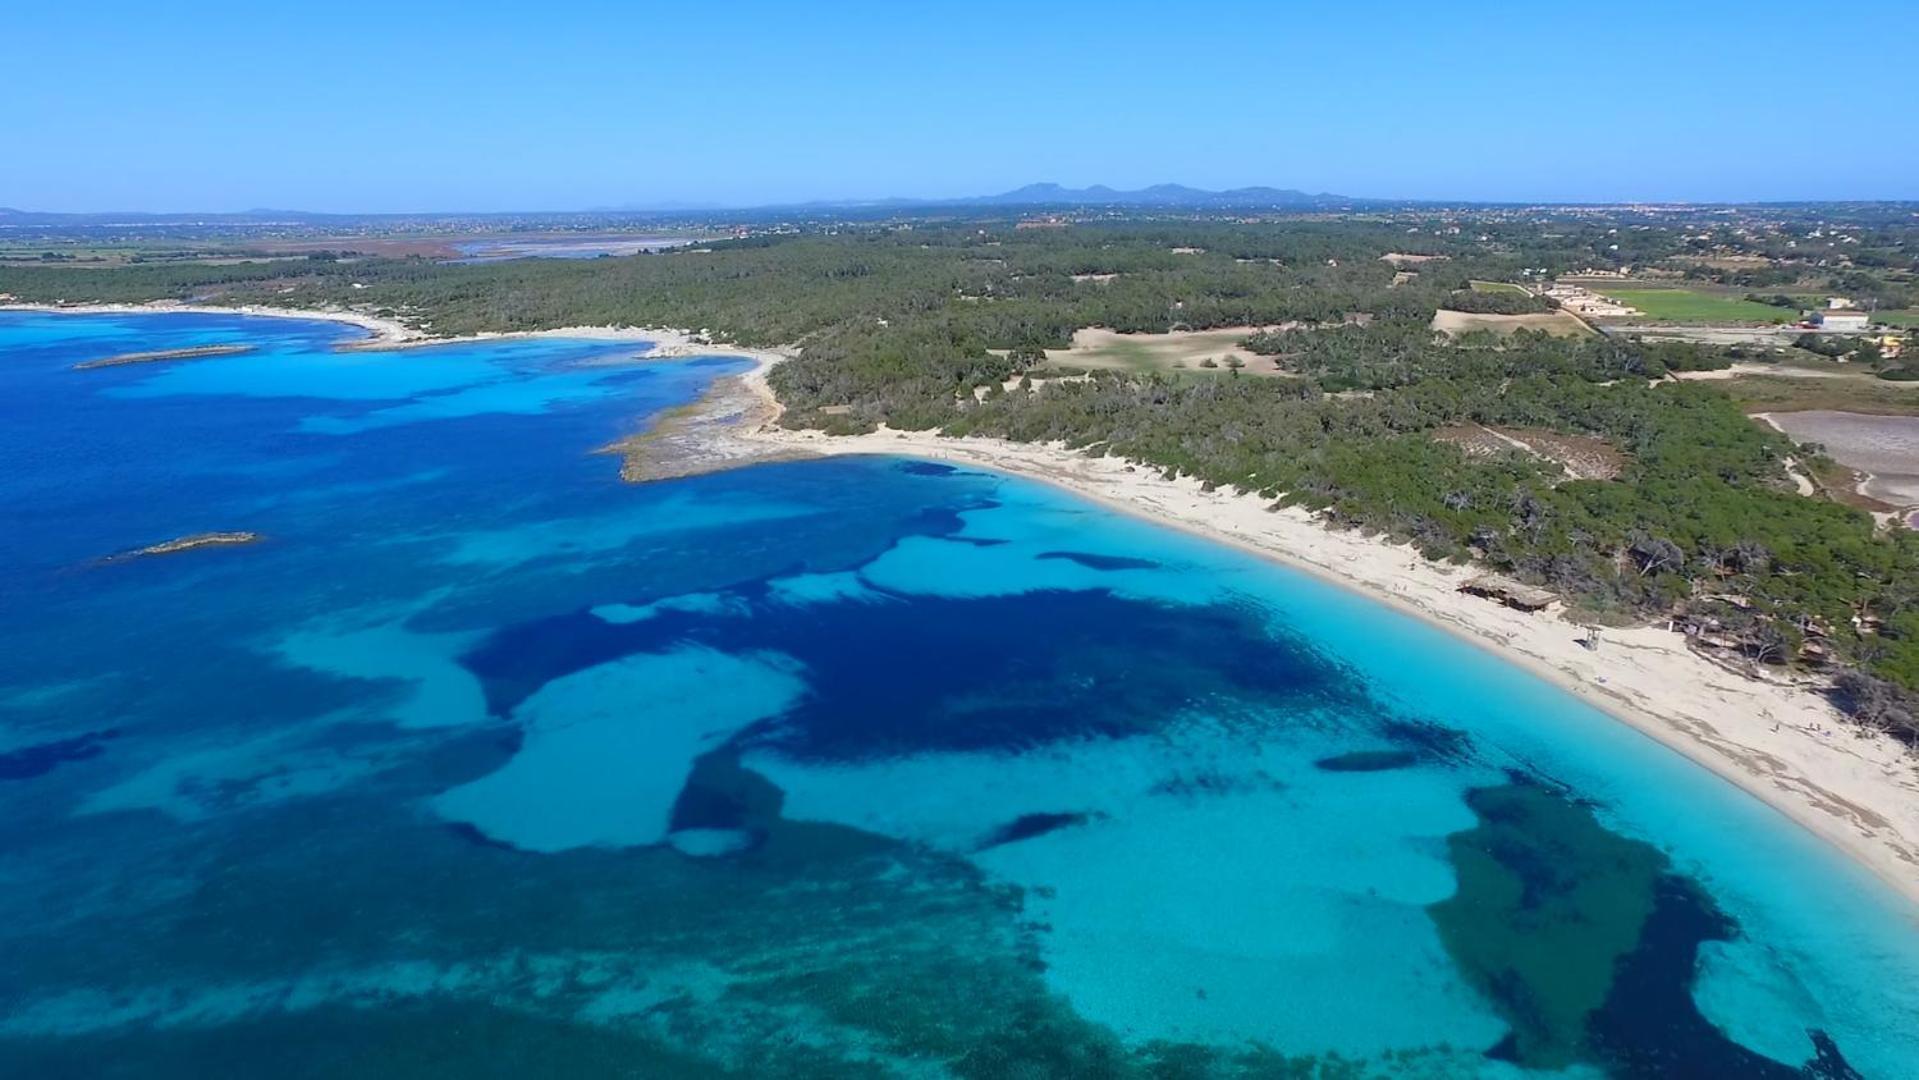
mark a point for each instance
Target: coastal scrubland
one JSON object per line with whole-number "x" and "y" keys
{"x": 950, "y": 325}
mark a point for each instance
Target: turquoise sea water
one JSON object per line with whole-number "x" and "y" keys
{"x": 481, "y": 762}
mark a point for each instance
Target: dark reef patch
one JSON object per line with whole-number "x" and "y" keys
{"x": 1650, "y": 1026}
{"x": 402, "y": 1038}
{"x": 722, "y": 794}
{"x": 1368, "y": 761}
{"x": 1027, "y": 826}
{"x": 925, "y": 468}
{"x": 1432, "y": 741}
{"x": 1101, "y": 562}
{"x": 1548, "y": 903}
{"x": 1587, "y": 943}
{"x": 1209, "y": 782}
{"x": 472, "y": 835}
{"x": 935, "y": 673}
{"x": 41, "y": 758}
{"x": 943, "y": 521}
{"x": 1827, "y": 1062}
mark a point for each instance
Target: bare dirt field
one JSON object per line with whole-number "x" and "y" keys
{"x": 1781, "y": 371}
{"x": 1775, "y": 336}
{"x": 1094, "y": 347}
{"x": 1581, "y": 456}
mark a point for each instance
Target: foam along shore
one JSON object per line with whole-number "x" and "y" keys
{"x": 1777, "y": 738}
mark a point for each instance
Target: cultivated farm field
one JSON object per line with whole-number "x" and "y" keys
{"x": 1688, "y": 305}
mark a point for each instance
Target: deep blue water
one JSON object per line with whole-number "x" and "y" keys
{"x": 481, "y": 762}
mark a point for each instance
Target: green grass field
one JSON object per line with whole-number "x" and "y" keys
{"x": 1496, "y": 286}
{"x": 1685, "y": 305}
{"x": 1908, "y": 317}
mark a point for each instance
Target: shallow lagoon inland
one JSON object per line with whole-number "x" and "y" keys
{"x": 483, "y": 763}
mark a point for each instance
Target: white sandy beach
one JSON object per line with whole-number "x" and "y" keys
{"x": 385, "y": 331}
{"x": 1776, "y": 737}
{"x": 390, "y": 333}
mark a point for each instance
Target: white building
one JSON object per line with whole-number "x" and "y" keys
{"x": 1842, "y": 320}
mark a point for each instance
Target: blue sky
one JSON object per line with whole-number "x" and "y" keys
{"x": 353, "y": 106}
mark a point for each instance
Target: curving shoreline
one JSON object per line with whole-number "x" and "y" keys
{"x": 1779, "y": 740}
{"x": 385, "y": 333}
{"x": 386, "y": 330}
{"x": 712, "y": 433}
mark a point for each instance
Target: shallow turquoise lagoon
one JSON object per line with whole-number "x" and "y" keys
{"x": 481, "y": 762}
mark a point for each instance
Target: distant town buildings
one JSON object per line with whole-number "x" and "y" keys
{"x": 1582, "y": 301}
